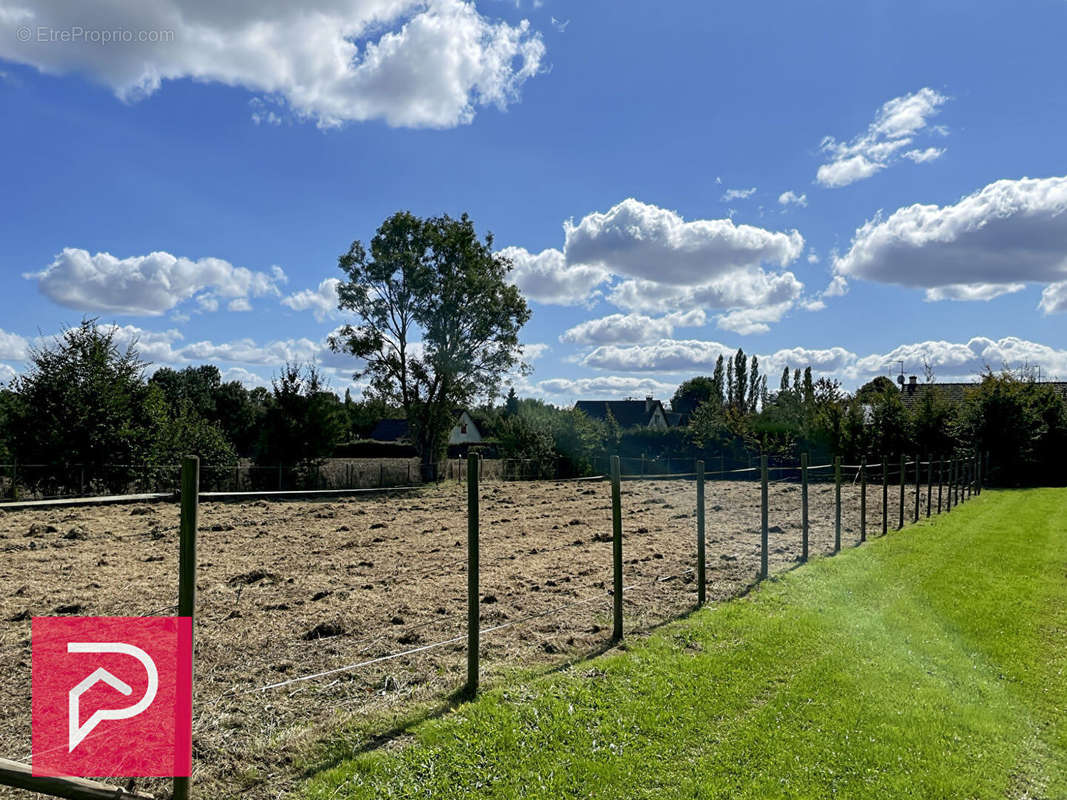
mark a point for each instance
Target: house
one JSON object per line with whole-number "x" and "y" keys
{"x": 465, "y": 431}
{"x": 629, "y": 413}
{"x": 912, "y": 392}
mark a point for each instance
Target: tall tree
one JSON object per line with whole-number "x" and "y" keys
{"x": 437, "y": 322}
{"x": 741, "y": 381}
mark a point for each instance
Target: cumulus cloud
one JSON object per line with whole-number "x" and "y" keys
{"x": 7, "y": 374}
{"x": 148, "y": 285}
{"x": 791, "y": 198}
{"x": 417, "y": 63}
{"x": 622, "y": 328}
{"x": 754, "y": 320}
{"x": 951, "y": 361}
{"x": 249, "y": 379}
{"x": 546, "y": 277}
{"x": 644, "y": 241}
{"x": 989, "y": 243}
{"x": 894, "y": 128}
{"x": 12, "y": 346}
{"x": 744, "y": 289}
{"x": 321, "y": 301}
{"x": 567, "y": 390}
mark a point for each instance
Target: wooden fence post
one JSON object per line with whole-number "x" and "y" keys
{"x": 701, "y": 574}
{"x": 763, "y": 518}
{"x": 616, "y": 547}
{"x": 837, "y": 503}
{"x": 885, "y": 494}
{"x": 918, "y": 488}
{"x": 940, "y": 481}
{"x": 903, "y": 480}
{"x": 473, "y": 599}
{"x": 970, "y": 477}
{"x": 804, "y": 504}
{"x": 190, "y": 511}
{"x": 863, "y": 499}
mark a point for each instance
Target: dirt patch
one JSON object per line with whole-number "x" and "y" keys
{"x": 291, "y": 588}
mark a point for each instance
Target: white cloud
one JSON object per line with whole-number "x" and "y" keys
{"x": 738, "y": 194}
{"x": 322, "y": 301}
{"x": 747, "y": 321}
{"x": 147, "y": 285}
{"x": 249, "y": 379}
{"x": 1054, "y": 298}
{"x": 643, "y": 241}
{"x": 922, "y": 156}
{"x": 989, "y": 243}
{"x": 970, "y": 292}
{"x": 894, "y": 128}
{"x": 12, "y": 346}
{"x": 620, "y": 328}
{"x": 547, "y": 278}
{"x": 418, "y": 63}
{"x": 792, "y": 198}
{"x": 566, "y": 391}
{"x": 743, "y": 289}
{"x": 534, "y": 351}
{"x": 7, "y": 374}
{"x": 951, "y": 361}
{"x": 667, "y": 355}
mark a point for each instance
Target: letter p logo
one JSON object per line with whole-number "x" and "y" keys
{"x": 85, "y": 672}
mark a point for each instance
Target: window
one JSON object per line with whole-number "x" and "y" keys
{"x": 463, "y": 428}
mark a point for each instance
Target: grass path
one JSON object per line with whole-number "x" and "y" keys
{"x": 928, "y": 664}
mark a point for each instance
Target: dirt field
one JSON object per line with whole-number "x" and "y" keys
{"x": 288, "y": 588}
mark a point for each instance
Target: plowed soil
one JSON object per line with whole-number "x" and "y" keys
{"x": 289, "y": 588}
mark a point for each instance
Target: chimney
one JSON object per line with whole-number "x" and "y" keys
{"x": 648, "y": 404}
{"x": 913, "y": 383}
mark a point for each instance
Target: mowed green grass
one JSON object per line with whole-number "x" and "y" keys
{"x": 931, "y": 663}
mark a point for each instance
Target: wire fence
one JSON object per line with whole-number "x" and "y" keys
{"x": 309, "y": 611}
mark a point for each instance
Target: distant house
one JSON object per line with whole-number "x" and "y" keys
{"x": 912, "y": 392}
{"x": 647, "y": 413}
{"x": 465, "y": 431}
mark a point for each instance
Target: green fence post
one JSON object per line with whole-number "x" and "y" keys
{"x": 837, "y": 504}
{"x": 903, "y": 480}
{"x": 804, "y": 504}
{"x": 190, "y": 508}
{"x": 918, "y": 489}
{"x": 863, "y": 499}
{"x": 616, "y": 547}
{"x": 473, "y": 599}
{"x": 763, "y": 518}
{"x": 701, "y": 576}
{"x": 929, "y": 484}
{"x": 885, "y": 494}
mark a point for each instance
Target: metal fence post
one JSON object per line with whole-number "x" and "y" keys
{"x": 863, "y": 499}
{"x": 763, "y": 518}
{"x": 837, "y": 504}
{"x": 473, "y": 605}
{"x": 701, "y": 574}
{"x": 190, "y": 508}
{"x": 804, "y": 504}
{"x": 940, "y": 481}
{"x": 616, "y": 547}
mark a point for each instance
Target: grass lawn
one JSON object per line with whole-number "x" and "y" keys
{"x": 930, "y": 663}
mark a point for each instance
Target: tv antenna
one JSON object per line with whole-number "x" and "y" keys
{"x": 900, "y": 377}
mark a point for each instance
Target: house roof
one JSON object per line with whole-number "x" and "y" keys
{"x": 955, "y": 393}
{"x": 393, "y": 430}
{"x": 390, "y": 430}
{"x": 628, "y": 413}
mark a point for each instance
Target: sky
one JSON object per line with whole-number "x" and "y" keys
{"x": 845, "y": 185}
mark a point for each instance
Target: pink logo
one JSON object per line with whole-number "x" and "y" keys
{"x": 112, "y": 696}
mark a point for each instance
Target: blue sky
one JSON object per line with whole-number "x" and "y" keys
{"x": 248, "y": 147}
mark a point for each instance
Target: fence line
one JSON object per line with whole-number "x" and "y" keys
{"x": 964, "y": 482}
